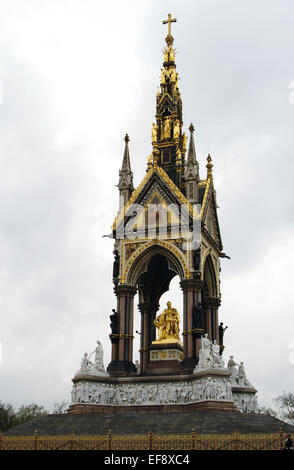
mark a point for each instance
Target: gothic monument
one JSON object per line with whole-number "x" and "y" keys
{"x": 167, "y": 226}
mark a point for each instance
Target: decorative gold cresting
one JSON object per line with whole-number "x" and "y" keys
{"x": 169, "y": 39}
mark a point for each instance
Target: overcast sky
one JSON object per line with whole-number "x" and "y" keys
{"x": 75, "y": 76}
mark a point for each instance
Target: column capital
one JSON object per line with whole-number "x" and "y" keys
{"x": 191, "y": 285}
{"x": 212, "y": 302}
{"x": 125, "y": 290}
{"x": 146, "y": 307}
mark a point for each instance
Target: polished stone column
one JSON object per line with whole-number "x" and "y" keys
{"x": 148, "y": 313}
{"x": 144, "y": 343}
{"x": 212, "y": 304}
{"x": 191, "y": 299}
{"x": 197, "y": 335}
{"x": 122, "y": 342}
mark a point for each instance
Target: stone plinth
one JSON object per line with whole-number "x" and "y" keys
{"x": 165, "y": 358}
{"x": 209, "y": 389}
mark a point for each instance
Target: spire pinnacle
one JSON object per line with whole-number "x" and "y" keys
{"x": 125, "y": 174}
{"x": 209, "y": 167}
{"x": 169, "y": 39}
{"x": 191, "y": 151}
{"x": 192, "y": 166}
{"x": 126, "y": 165}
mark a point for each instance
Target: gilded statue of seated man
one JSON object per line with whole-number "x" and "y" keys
{"x": 168, "y": 324}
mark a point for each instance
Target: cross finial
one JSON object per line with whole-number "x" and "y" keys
{"x": 169, "y": 39}
{"x": 126, "y": 139}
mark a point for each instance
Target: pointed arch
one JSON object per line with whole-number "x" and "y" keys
{"x": 138, "y": 263}
{"x": 209, "y": 277}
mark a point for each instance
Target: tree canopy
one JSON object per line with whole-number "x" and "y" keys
{"x": 10, "y": 417}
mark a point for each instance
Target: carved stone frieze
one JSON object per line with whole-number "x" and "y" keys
{"x": 160, "y": 393}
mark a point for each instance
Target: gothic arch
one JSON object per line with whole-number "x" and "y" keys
{"x": 209, "y": 277}
{"x": 138, "y": 263}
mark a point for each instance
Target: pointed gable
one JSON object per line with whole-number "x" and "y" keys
{"x": 155, "y": 181}
{"x": 209, "y": 213}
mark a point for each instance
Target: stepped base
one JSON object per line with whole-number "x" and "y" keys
{"x": 204, "y": 422}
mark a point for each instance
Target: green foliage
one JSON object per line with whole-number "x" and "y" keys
{"x": 7, "y": 415}
{"x": 10, "y": 417}
{"x": 28, "y": 412}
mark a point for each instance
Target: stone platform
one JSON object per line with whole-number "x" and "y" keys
{"x": 204, "y": 422}
{"x": 203, "y": 390}
{"x": 206, "y": 389}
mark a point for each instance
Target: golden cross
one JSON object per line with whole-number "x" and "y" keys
{"x": 169, "y": 21}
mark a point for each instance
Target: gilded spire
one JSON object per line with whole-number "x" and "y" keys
{"x": 166, "y": 133}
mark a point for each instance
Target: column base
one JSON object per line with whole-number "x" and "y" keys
{"x": 121, "y": 369}
{"x": 188, "y": 364}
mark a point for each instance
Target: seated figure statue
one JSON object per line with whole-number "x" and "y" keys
{"x": 168, "y": 324}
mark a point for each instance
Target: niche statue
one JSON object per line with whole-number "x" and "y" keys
{"x": 115, "y": 273}
{"x": 114, "y": 322}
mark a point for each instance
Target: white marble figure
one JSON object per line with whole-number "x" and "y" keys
{"x": 209, "y": 355}
{"x": 85, "y": 364}
{"x": 229, "y": 393}
{"x": 99, "y": 357}
{"x": 218, "y": 360}
{"x": 241, "y": 375}
{"x": 205, "y": 353}
{"x": 232, "y": 369}
{"x": 90, "y": 368}
{"x": 241, "y": 378}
